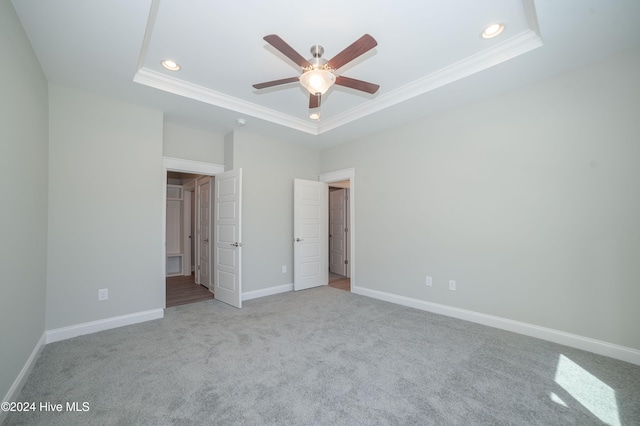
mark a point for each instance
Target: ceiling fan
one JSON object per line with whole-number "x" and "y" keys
{"x": 318, "y": 74}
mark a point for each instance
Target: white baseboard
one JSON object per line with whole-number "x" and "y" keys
{"x": 580, "y": 342}
{"x": 18, "y": 383}
{"x": 267, "y": 291}
{"x": 100, "y": 325}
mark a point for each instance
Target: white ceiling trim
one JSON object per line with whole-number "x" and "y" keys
{"x": 199, "y": 93}
{"x": 508, "y": 49}
{"x": 501, "y": 52}
{"x": 532, "y": 16}
{"x": 151, "y": 21}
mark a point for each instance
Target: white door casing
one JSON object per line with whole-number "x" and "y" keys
{"x": 228, "y": 233}
{"x": 204, "y": 234}
{"x": 170, "y": 164}
{"x": 337, "y": 231}
{"x": 310, "y": 246}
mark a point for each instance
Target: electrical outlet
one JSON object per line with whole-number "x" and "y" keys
{"x": 452, "y": 285}
{"x": 429, "y": 281}
{"x": 284, "y": 269}
{"x": 103, "y": 294}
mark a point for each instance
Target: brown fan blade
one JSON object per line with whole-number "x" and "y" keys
{"x": 357, "y": 84}
{"x": 357, "y": 48}
{"x": 275, "y": 82}
{"x": 314, "y": 101}
{"x": 286, "y": 50}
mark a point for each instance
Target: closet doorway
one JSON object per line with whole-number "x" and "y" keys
{"x": 188, "y": 231}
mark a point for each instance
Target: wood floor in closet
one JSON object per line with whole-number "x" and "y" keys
{"x": 339, "y": 281}
{"x": 182, "y": 290}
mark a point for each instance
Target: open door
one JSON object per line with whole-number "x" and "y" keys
{"x": 310, "y": 246}
{"x": 227, "y": 280}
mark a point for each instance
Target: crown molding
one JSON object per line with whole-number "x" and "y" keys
{"x": 176, "y": 86}
{"x": 508, "y": 49}
{"x": 501, "y": 52}
{"x": 532, "y": 17}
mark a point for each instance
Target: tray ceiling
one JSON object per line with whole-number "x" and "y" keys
{"x": 430, "y": 55}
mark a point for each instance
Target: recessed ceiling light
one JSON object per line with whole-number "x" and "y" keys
{"x": 493, "y": 30}
{"x": 170, "y": 65}
{"x": 241, "y": 121}
{"x": 314, "y": 116}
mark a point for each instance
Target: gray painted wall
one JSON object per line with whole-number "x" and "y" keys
{"x": 529, "y": 200}
{"x": 105, "y": 209}
{"x": 269, "y": 167}
{"x": 192, "y": 144}
{"x": 228, "y": 151}
{"x": 23, "y": 216}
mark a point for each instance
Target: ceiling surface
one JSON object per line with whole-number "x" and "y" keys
{"x": 430, "y": 55}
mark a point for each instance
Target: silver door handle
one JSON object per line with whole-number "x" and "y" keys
{"x": 206, "y": 240}
{"x": 298, "y": 240}
{"x": 236, "y": 244}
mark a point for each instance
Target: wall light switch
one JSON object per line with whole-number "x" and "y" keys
{"x": 452, "y": 285}
{"x": 429, "y": 281}
{"x": 284, "y": 269}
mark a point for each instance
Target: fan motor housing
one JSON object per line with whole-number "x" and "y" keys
{"x": 317, "y": 50}
{"x": 317, "y": 61}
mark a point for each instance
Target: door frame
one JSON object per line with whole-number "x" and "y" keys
{"x": 350, "y": 175}
{"x": 171, "y": 164}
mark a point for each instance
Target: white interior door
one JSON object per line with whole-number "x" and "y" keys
{"x": 310, "y": 247}
{"x": 337, "y": 231}
{"x": 204, "y": 231}
{"x": 228, "y": 243}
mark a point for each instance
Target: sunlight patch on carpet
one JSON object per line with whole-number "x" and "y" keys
{"x": 595, "y": 395}
{"x": 555, "y": 398}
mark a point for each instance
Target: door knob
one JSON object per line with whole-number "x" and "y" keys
{"x": 206, "y": 240}
{"x": 299, "y": 239}
{"x": 236, "y": 244}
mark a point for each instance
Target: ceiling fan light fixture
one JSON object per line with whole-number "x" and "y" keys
{"x": 171, "y": 65}
{"x": 318, "y": 73}
{"x": 493, "y": 30}
{"x": 317, "y": 81}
